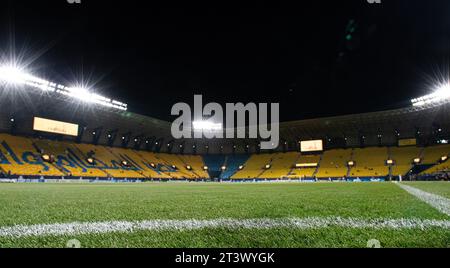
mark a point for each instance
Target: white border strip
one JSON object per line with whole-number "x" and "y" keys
{"x": 78, "y": 228}
{"x": 438, "y": 202}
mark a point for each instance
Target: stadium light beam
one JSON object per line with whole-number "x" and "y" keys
{"x": 206, "y": 125}
{"x": 11, "y": 74}
{"x": 441, "y": 94}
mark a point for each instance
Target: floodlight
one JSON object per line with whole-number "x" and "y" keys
{"x": 205, "y": 167}
{"x": 241, "y": 167}
{"x": 442, "y": 93}
{"x": 268, "y": 166}
{"x": 350, "y": 163}
{"x": 46, "y": 157}
{"x": 91, "y": 160}
{"x": 206, "y": 125}
{"x": 444, "y": 158}
{"x": 15, "y": 75}
{"x": 417, "y": 160}
{"x": 80, "y": 93}
{"x": 223, "y": 167}
{"x": 188, "y": 167}
{"x": 389, "y": 162}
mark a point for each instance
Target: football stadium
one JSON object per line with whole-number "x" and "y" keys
{"x": 112, "y": 178}
{"x": 84, "y": 169}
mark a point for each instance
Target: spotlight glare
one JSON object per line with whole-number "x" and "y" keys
{"x": 442, "y": 93}
{"x": 15, "y": 75}
{"x": 206, "y": 125}
{"x": 12, "y": 75}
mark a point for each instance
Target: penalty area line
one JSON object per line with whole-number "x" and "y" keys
{"x": 80, "y": 228}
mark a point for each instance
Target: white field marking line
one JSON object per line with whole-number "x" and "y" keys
{"x": 438, "y": 202}
{"x": 78, "y": 228}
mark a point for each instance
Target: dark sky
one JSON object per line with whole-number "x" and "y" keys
{"x": 297, "y": 54}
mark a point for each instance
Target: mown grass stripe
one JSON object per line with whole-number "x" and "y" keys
{"x": 438, "y": 202}
{"x": 77, "y": 228}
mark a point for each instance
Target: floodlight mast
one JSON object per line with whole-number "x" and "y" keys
{"x": 18, "y": 76}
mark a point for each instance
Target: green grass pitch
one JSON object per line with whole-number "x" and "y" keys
{"x": 29, "y": 204}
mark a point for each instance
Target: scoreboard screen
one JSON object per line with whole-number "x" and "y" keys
{"x": 53, "y": 126}
{"x": 311, "y": 146}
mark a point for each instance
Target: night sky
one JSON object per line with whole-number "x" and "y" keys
{"x": 299, "y": 55}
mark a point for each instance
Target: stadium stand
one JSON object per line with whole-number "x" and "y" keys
{"x": 197, "y": 164}
{"x": 232, "y": 163}
{"x": 432, "y": 154}
{"x": 442, "y": 167}
{"x": 254, "y": 167}
{"x": 281, "y": 165}
{"x": 370, "y": 162}
{"x": 108, "y": 162}
{"x": 403, "y": 159}
{"x": 24, "y": 156}
{"x": 181, "y": 171}
{"x": 160, "y": 168}
{"x": 334, "y": 163}
{"x": 68, "y": 159}
{"x": 19, "y": 157}
{"x": 134, "y": 160}
{"x": 306, "y": 172}
{"x": 215, "y": 164}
